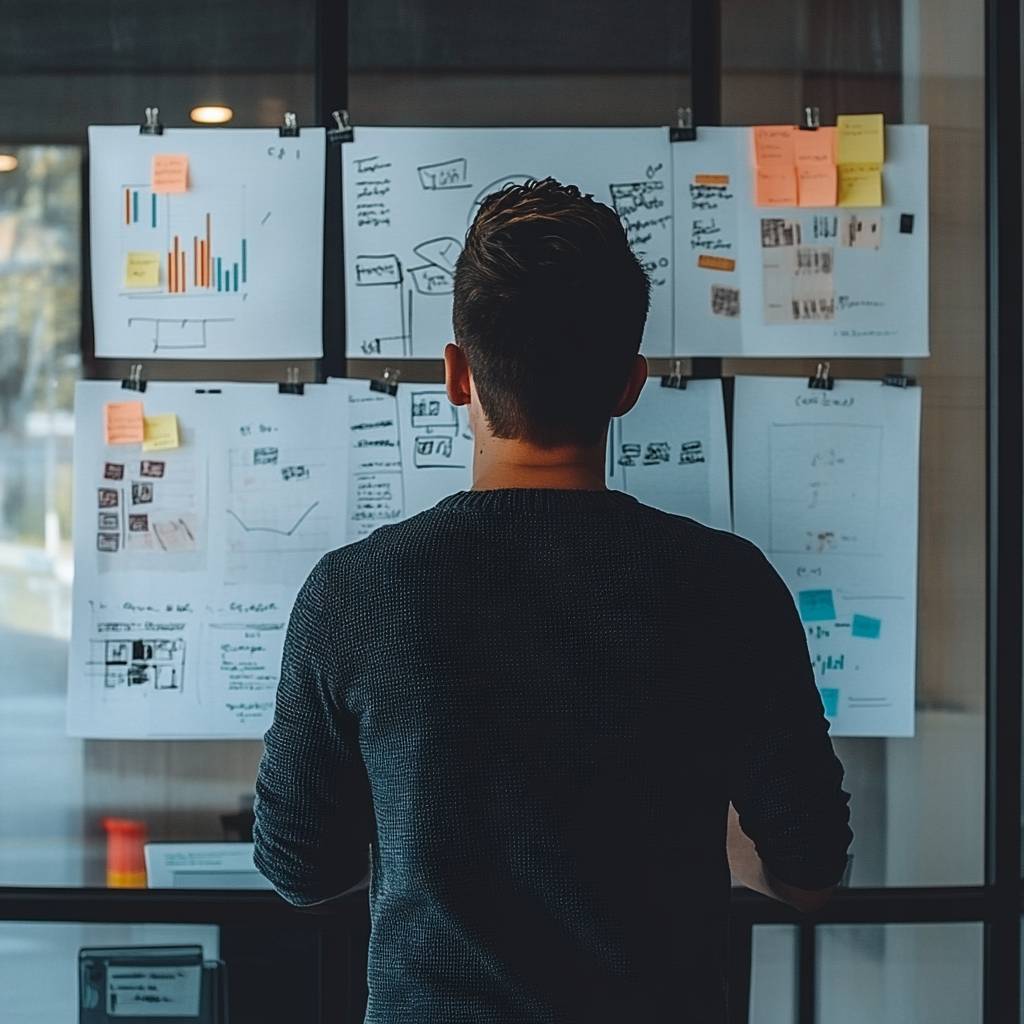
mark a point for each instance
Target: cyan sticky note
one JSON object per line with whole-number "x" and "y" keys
{"x": 830, "y": 698}
{"x": 816, "y": 605}
{"x": 867, "y": 627}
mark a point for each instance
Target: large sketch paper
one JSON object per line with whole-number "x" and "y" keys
{"x": 187, "y": 561}
{"x": 826, "y": 484}
{"x": 411, "y": 193}
{"x": 669, "y": 451}
{"x": 792, "y": 281}
{"x": 240, "y": 271}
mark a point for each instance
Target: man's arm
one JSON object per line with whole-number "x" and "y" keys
{"x": 789, "y": 829}
{"x": 314, "y": 817}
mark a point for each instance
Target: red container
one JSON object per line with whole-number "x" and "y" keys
{"x": 126, "y": 862}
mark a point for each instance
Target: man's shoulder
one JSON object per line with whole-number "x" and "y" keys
{"x": 722, "y": 547}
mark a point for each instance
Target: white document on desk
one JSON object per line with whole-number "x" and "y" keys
{"x": 826, "y": 484}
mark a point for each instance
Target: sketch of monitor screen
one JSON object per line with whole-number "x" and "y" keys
{"x": 202, "y": 866}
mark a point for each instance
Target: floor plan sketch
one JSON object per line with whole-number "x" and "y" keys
{"x": 155, "y": 664}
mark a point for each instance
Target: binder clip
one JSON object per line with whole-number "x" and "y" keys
{"x": 342, "y": 132}
{"x": 290, "y": 126}
{"x": 811, "y": 121}
{"x": 292, "y": 386}
{"x": 675, "y": 379}
{"x": 152, "y": 125}
{"x": 684, "y": 130}
{"x": 898, "y": 380}
{"x": 822, "y": 380}
{"x": 134, "y": 381}
{"x": 388, "y": 383}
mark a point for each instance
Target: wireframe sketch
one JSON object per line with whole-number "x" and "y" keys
{"x": 142, "y": 663}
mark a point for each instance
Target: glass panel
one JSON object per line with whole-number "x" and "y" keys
{"x": 773, "y": 975}
{"x": 891, "y": 974}
{"x": 446, "y": 63}
{"x": 917, "y": 803}
{"x": 39, "y": 962}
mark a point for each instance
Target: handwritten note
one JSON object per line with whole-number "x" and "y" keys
{"x": 776, "y": 169}
{"x": 142, "y": 270}
{"x": 169, "y": 172}
{"x": 122, "y": 422}
{"x": 860, "y": 185}
{"x": 776, "y": 188}
{"x": 860, "y": 139}
{"x": 814, "y": 154}
{"x": 160, "y": 433}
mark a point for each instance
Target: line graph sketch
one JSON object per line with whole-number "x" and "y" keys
{"x": 248, "y": 528}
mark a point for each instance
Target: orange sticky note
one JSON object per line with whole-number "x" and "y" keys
{"x": 773, "y": 146}
{"x": 776, "y": 188}
{"x": 815, "y": 156}
{"x": 123, "y": 422}
{"x": 169, "y": 173}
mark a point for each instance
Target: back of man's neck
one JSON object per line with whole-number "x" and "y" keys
{"x": 502, "y": 463}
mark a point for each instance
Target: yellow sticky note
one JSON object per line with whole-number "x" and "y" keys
{"x": 773, "y": 146}
{"x": 169, "y": 173}
{"x": 122, "y": 422}
{"x": 142, "y": 270}
{"x": 161, "y": 432}
{"x": 814, "y": 153}
{"x": 776, "y": 188}
{"x": 860, "y": 185}
{"x": 860, "y": 139}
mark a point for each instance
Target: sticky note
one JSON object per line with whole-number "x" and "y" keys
{"x": 122, "y": 422}
{"x": 773, "y": 146}
{"x": 706, "y": 262}
{"x": 142, "y": 270}
{"x": 830, "y": 700}
{"x": 169, "y": 173}
{"x": 860, "y": 139}
{"x": 161, "y": 432}
{"x": 776, "y": 188}
{"x": 860, "y": 185}
{"x": 816, "y": 605}
{"x": 867, "y": 627}
{"x": 814, "y": 154}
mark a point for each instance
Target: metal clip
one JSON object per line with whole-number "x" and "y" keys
{"x": 898, "y": 380}
{"x": 822, "y": 380}
{"x": 342, "y": 132}
{"x": 684, "y": 130}
{"x": 388, "y": 383}
{"x": 292, "y": 386}
{"x": 812, "y": 119}
{"x": 675, "y": 379}
{"x": 152, "y": 125}
{"x": 289, "y": 127}
{"x": 134, "y": 381}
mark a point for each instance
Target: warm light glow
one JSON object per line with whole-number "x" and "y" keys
{"x": 8, "y": 161}
{"x": 212, "y": 115}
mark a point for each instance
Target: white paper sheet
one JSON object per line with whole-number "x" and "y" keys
{"x": 826, "y": 484}
{"x": 669, "y": 451}
{"x": 187, "y": 561}
{"x": 151, "y": 990}
{"x": 805, "y": 282}
{"x": 411, "y": 193}
{"x": 256, "y": 197}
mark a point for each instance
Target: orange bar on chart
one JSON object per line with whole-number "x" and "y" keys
{"x": 182, "y": 276}
{"x": 195, "y": 261}
{"x": 127, "y": 206}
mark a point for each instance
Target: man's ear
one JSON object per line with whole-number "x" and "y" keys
{"x": 635, "y": 384}
{"x": 456, "y": 375}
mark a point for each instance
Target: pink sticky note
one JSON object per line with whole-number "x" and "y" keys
{"x": 169, "y": 173}
{"x": 815, "y": 156}
{"x": 776, "y": 188}
{"x": 123, "y": 423}
{"x": 773, "y": 146}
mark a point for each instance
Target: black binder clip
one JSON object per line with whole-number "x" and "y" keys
{"x": 684, "y": 130}
{"x": 675, "y": 379}
{"x": 822, "y": 380}
{"x": 152, "y": 125}
{"x": 898, "y": 380}
{"x": 388, "y": 383}
{"x": 290, "y": 126}
{"x": 134, "y": 381}
{"x": 292, "y": 386}
{"x": 811, "y": 121}
{"x": 342, "y": 132}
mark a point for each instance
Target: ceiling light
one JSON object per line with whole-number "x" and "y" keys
{"x": 211, "y": 115}
{"x": 8, "y": 161}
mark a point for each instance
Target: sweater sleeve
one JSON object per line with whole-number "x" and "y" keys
{"x": 313, "y": 808}
{"x": 787, "y": 781}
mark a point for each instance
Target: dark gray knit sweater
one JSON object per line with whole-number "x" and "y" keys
{"x": 536, "y": 706}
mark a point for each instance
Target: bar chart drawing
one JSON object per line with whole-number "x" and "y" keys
{"x": 231, "y": 267}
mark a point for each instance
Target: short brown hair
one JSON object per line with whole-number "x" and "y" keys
{"x": 550, "y": 305}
